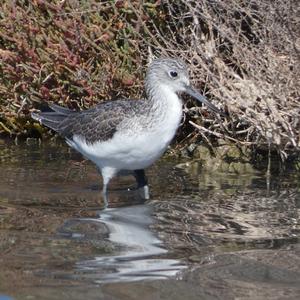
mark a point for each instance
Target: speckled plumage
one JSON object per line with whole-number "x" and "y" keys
{"x": 128, "y": 134}
{"x": 101, "y": 122}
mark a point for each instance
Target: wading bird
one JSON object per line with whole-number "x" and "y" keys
{"x": 128, "y": 135}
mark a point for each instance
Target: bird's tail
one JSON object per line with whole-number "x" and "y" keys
{"x": 53, "y": 118}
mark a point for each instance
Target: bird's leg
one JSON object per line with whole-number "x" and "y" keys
{"x": 142, "y": 182}
{"x": 104, "y": 195}
{"x": 107, "y": 174}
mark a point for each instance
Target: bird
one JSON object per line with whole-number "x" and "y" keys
{"x": 126, "y": 134}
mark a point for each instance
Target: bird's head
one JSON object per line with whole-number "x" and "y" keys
{"x": 173, "y": 74}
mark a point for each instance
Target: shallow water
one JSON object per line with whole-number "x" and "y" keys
{"x": 203, "y": 235}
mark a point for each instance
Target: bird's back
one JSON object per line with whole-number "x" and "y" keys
{"x": 97, "y": 124}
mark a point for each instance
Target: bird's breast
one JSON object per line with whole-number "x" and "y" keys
{"x": 138, "y": 141}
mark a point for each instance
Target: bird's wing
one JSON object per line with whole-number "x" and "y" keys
{"x": 96, "y": 124}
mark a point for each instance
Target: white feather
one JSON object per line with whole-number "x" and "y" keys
{"x": 128, "y": 151}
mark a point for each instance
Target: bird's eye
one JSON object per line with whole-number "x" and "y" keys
{"x": 173, "y": 74}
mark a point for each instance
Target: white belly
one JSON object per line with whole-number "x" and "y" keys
{"x": 127, "y": 152}
{"x": 138, "y": 147}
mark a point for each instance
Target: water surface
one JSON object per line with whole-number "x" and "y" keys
{"x": 203, "y": 235}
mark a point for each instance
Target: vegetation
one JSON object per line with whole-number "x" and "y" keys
{"x": 242, "y": 54}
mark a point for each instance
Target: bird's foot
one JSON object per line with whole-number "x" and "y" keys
{"x": 144, "y": 192}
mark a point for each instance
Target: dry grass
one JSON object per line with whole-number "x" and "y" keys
{"x": 243, "y": 54}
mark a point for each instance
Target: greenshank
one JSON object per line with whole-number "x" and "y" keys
{"x": 128, "y": 135}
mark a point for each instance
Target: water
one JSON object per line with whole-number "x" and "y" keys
{"x": 203, "y": 235}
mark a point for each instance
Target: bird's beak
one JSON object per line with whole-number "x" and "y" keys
{"x": 192, "y": 92}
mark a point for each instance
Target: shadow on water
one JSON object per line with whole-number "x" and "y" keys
{"x": 223, "y": 232}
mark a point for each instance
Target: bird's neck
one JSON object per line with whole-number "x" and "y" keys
{"x": 162, "y": 98}
{"x": 165, "y": 106}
